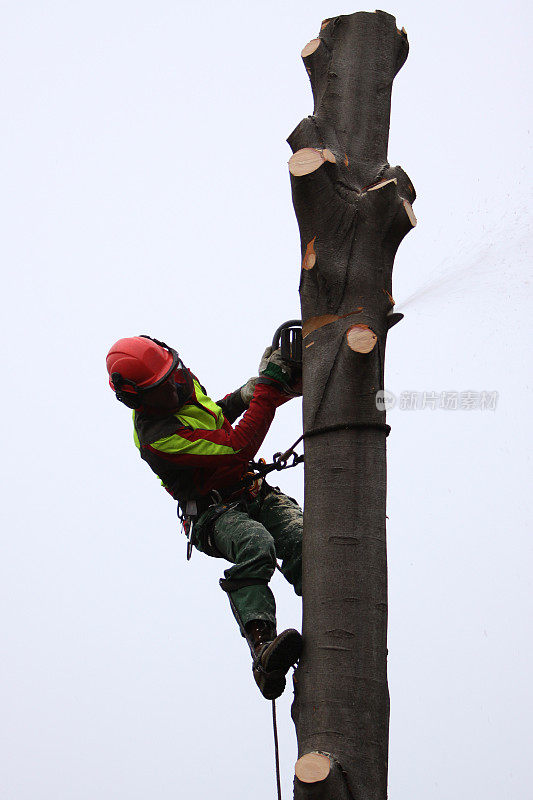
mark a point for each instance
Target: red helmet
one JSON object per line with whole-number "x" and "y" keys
{"x": 138, "y": 363}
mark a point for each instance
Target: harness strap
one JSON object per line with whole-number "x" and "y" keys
{"x": 229, "y": 585}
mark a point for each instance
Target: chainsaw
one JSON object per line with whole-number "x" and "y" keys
{"x": 288, "y": 339}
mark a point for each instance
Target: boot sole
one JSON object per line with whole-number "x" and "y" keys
{"x": 270, "y": 685}
{"x": 283, "y": 652}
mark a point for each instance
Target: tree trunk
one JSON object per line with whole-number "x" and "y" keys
{"x": 353, "y": 210}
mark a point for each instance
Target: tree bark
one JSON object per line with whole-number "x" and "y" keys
{"x": 353, "y": 210}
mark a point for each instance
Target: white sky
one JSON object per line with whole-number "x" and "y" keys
{"x": 144, "y": 189}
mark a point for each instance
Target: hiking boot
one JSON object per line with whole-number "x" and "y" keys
{"x": 273, "y": 657}
{"x": 259, "y": 633}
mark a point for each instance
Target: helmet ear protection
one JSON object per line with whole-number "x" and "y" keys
{"x": 132, "y": 397}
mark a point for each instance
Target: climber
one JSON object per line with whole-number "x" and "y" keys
{"x": 202, "y": 461}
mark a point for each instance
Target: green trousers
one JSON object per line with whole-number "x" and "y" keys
{"x": 253, "y": 536}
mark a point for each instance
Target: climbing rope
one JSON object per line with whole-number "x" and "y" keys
{"x": 276, "y": 748}
{"x": 341, "y": 426}
{"x": 279, "y": 462}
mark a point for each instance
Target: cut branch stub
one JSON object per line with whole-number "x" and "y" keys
{"x": 361, "y": 339}
{"x": 312, "y": 768}
{"x": 381, "y": 185}
{"x": 410, "y": 213}
{"x": 310, "y": 47}
{"x": 305, "y": 161}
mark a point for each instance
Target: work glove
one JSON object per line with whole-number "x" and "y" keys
{"x": 276, "y": 370}
{"x": 264, "y": 360}
{"x": 247, "y": 391}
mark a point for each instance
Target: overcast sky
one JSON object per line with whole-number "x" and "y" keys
{"x": 144, "y": 189}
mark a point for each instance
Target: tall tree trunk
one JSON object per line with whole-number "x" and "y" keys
{"x": 353, "y": 210}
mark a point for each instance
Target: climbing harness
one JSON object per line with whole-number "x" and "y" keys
{"x": 251, "y": 482}
{"x": 189, "y": 511}
{"x": 253, "y": 479}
